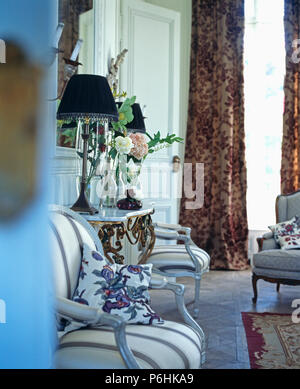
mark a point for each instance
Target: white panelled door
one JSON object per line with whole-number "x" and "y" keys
{"x": 151, "y": 72}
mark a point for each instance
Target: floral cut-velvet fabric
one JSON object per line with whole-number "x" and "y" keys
{"x": 290, "y": 161}
{"x": 215, "y": 132}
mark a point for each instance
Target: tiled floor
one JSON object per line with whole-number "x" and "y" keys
{"x": 224, "y": 295}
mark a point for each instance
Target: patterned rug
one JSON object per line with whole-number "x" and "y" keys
{"x": 273, "y": 341}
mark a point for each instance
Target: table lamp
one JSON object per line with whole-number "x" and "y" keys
{"x": 137, "y": 124}
{"x": 87, "y": 98}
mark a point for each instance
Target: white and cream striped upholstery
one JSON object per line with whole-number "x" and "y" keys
{"x": 174, "y": 258}
{"x": 168, "y": 346}
{"x": 67, "y": 236}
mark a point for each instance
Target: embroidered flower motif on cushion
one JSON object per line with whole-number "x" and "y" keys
{"x": 116, "y": 289}
{"x": 138, "y": 270}
{"x": 78, "y": 298}
{"x": 82, "y": 273}
{"x": 289, "y": 227}
{"x": 107, "y": 273}
{"x": 97, "y": 256}
{"x": 290, "y": 242}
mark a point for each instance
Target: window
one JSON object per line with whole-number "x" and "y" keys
{"x": 264, "y": 101}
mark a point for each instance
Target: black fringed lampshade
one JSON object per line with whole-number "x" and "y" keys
{"x": 88, "y": 96}
{"x": 138, "y": 124}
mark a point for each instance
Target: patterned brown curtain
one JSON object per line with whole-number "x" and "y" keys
{"x": 215, "y": 133}
{"x": 290, "y": 162}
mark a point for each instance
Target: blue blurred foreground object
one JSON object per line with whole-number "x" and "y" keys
{"x": 27, "y": 328}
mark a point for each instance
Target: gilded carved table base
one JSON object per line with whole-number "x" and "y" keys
{"x": 138, "y": 230}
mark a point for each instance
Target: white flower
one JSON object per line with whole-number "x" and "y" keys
{"x": 124, "y": 144}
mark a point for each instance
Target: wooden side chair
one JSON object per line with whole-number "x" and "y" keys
{"x": 179, "y": 260}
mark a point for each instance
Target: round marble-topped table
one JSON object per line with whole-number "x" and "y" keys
{"x": 114, "y": 225}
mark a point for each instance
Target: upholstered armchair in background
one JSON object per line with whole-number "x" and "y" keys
{"x": 106, "y": 341}
{"x": 271, "y": 263}
{"x": 179, "y": 260}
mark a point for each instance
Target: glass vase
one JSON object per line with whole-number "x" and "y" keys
{"x": 107, "y": 191}
{"x": 93, "y": 190}
{"x": 133, "y": 187}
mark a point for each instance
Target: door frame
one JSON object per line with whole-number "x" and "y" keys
{"x": 129, "y": 9}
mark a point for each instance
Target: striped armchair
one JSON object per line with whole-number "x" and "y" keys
{"x": 106, "y": 342}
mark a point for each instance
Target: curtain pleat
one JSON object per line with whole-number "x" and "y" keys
{"x": 215, "y": 132}
{"x": 290, "y": 161}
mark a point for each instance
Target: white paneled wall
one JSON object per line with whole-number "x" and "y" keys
{"x": 108, "y": 43}
{"x": 64, "y": 191}
{"x": 252, "y": 243}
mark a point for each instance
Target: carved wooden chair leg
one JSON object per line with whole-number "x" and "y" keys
{"x": 254, "y": 284}
{"x": 278, "y": 286}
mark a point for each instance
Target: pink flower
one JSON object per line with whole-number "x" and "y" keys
{"x": 140, "y": 149}
{"x": 289, "y": 227}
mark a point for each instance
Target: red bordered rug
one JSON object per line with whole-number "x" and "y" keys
{"x": 273, "y": 340}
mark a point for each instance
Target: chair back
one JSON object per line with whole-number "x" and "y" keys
{"x": 287, "y": 206}
{"x": 68, "y": 232}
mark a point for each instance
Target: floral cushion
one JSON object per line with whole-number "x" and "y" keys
{"x": 116, "y": 289}
{"x": 289, "y": 242}
{"x": 289, "y": 227}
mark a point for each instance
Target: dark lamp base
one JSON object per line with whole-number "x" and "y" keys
{"x": 82, "y": 204}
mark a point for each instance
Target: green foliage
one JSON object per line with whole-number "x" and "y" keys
{"x": 113, "y": 153}
{"x": 157, "y": 142}
{"x": 125, "y": 116}
{"x": 97, "y": 141}
{"x": 70, "y": 135}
